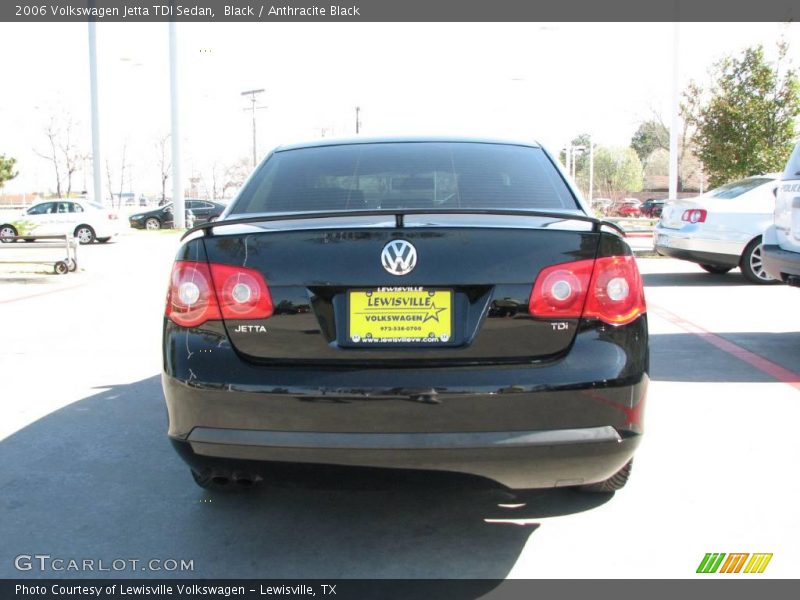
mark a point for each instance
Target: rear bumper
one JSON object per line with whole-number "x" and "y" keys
{"x": 781, "y": 264}
{"x": 518, "y": 460}
{"x": 569, "y": 421}
{"x": 682, "y": 245}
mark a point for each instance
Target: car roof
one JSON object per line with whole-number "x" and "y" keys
{"x": 402, "y": 140}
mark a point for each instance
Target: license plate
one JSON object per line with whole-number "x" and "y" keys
{"x": 400, "y": 316}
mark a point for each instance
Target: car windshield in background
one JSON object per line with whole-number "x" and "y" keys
{"x": 396, "y": 175}
{"x": 737, "y": 188}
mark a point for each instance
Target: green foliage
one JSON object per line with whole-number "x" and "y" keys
{"x": 747, "y": 125}
{"x": 649, "y": 137}
{"x": 7, "y": 171}
{"x": 617, "y": 170}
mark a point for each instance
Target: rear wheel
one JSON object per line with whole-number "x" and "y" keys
{"x": 616, "y": 482}
{"x": 752, "y": 264}
{"x": 7, "y": 231}
{"x": 715, "y": 269}
{"x": 85, "y": 234}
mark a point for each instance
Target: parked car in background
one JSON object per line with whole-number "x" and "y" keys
{"x": 721, "y": 229}
{"x": 627, "y": 207}
{"x": 204, "y": 210}
{"x": 602, "y": 205}
{"x": 84, "y": 219}
{"x": 652, "y": 207}
{"x": 433, "y": 304}
{"x": 159, "y": 218}
{"x": 782, "y": 239}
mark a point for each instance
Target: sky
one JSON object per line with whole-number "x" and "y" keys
{"x": 527, "y": 81}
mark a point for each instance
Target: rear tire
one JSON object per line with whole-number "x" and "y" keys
{"x": 752, "y": 264}
{"x": 7, "y": 231}
{"x": 614, "y": 483}
{"x": 715, "y": 269}
{"x": 85, "y": 234}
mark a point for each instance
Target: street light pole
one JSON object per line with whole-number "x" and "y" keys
{"x": 178, "y": 203}
{"x": 95, "y": 107}
{"x": 673, "y": 130}
{"x": 253, "y": 94}
{"x": 591, "y": 168}
{"x": 358, "y": 121}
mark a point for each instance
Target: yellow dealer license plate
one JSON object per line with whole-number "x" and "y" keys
{"x": 400, "y": 315}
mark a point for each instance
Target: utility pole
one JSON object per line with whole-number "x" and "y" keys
{"x": 358, "y": 121}
{"x": 591, "y": 169}
{"x": 178, "y": 203}
{"x": 97, "y": 175}
{"x": 252, "y": 109}
{"x": 673, "y": 130}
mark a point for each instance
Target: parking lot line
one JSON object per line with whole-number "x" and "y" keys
{"x": 754, "y": 360}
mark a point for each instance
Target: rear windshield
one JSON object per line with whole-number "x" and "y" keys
{"x": 737, "y": 188}
{"x": 793, "y": 166}
{"x": 405, "y": 175}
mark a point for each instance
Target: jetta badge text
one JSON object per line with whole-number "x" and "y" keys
{"x": 399, "y": 257}
{"x": 250, "y": 329}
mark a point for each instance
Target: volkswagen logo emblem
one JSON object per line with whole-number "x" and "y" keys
{"x": 399, "y": 257}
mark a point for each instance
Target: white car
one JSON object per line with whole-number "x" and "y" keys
{"x": 721, "y": 229}
{"x": 782, "y": 239}
{"x": 86, "y": 220}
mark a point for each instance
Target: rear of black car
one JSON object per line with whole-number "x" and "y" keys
{"x": 427, "y": 304}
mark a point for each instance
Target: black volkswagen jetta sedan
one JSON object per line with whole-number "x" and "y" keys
{"x": 438, "y": 304}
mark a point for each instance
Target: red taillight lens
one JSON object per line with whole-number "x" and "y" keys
{"x": 242, "y": 293}
{"x": 609, "y": 289}
{"x": 191, "y": 299}
{"x": 112, "y": 217}
{"x": 560, "y": 290}
{"x": 616, "y": 292}
{"x": 201, "y": 292}
{"x": 694, "y": 215}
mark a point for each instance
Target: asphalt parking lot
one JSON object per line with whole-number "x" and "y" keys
{"x": 86, "y": 471}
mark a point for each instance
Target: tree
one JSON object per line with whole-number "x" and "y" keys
{"x": 164, "y": 164}
{"x": 745, "y": 124}
{"x": 226, "y": 178}
{"x": 63, "y": 153}
{"x": 617, "y": 170}
{"x": 51, "y": 131}
{"x": 651, "y": 135}
{"x": 7, "y": 171}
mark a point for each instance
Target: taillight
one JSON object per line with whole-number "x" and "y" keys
{"x": 201, "y": 292}
{"x": 694, "y": 215}
{"x": 191, "y": 299}
{"x": 616, "y": 292}
{"x": 112, "y": 217}
{"x": 560, "y": 290}
{"x": 242, "y": 293}
{"x": 608, "y": 288}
